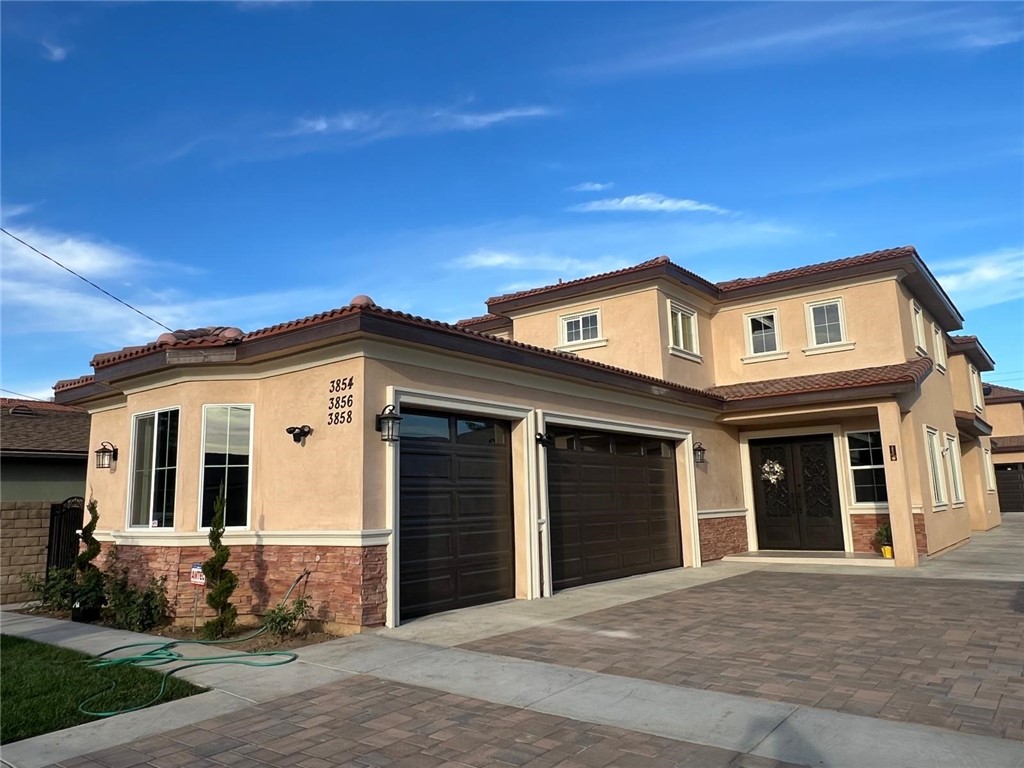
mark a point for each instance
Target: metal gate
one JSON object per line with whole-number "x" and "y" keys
{"x": 66, "y": 520}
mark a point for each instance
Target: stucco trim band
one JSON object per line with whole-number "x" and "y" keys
{"x": 706, "y": 514}
{"x": 369, "y": 538}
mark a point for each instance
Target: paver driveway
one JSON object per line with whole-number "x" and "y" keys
{"x": 365, "y": 721}
{"x": 948, "y": 653}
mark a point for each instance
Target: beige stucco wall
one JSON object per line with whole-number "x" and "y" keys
{"x": 1005, "y": 418}
{"x": 873, "y": 323}
{"x": 960, "y": 380}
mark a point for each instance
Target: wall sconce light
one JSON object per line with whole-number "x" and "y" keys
{"x": 699, "y": 454}
{"x": 388, "y": 423}
{"x": 545, "y": 439}
{"x": 300, "y": 433}
{"x": 106, "y": 456}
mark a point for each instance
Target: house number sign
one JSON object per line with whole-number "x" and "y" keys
{"x": 340, "y": 401}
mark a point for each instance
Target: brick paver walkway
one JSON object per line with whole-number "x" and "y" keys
{"x": 946, "y": 653}
{"x": 364, "y": 721}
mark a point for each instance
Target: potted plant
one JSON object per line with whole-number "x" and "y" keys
{"x": 883, "y": 540}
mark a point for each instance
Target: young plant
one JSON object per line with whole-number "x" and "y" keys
{"x": 220, "y": 582}
{"x": 88, "y": 593}
{"x": 282, "y": 621}
{"x": 137, "y": 609}
{"x": 883, "y": 536}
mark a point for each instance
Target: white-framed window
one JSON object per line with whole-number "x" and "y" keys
{"x": 227, "y": 463}
{"x": 763, "y": 337}
{"x": 956, "y": 476}
{"x": 581, "y": 327}
{"x": 990, "y": 472}
{"x": 976, "y": 395}
{"x": 825, "y": 323}
{"x": 935, "y": 471}
{"x": 919, "y": 340}
{"x": 939, "y": 345}
{"x": 683, "y": 329}
{"x": 154, "y": 471}
{"x": 867, "y": 467}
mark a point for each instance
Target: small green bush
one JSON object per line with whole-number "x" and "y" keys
{"x": 56, "y": 592}
{"x": 137, "y": 609}
{"x": 282, "y": 621}
{"x": 883, "y": 536}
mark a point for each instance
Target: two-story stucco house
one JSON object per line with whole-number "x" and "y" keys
{"x": 1005, "y": 411}
{"x": 628, "y": 422}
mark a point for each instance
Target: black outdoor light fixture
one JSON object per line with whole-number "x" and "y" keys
{"x": 106, "y": 456}
{"x": 699, "y": 454}
{"x": 299, "y": 433}
{"x": 545, "y": 439}
{"x": 388, "y": 423}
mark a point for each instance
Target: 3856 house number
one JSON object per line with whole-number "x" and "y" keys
{"x": 340, "y": 401}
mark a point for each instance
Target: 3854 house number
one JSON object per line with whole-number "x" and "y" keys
{"x": 340, "y": 401}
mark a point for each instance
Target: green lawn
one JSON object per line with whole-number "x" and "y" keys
{"x": 42, "y": 685}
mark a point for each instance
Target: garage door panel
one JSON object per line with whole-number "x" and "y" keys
{"x": 455, "y": 514}
{"x": 1010, "y": 485}
{"x": 616, "y": 515}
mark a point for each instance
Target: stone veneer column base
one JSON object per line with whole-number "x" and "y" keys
{"x": 721, "y": 536}
{"x": 347, "y": 587}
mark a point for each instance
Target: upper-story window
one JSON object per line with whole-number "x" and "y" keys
{"x": 581, "y": 329}
{"x": 683, "y": 329}
{"x": 976, "y": 396}
{"x": 919, "y": 340}
{"x": 935, "y": 467}
{"x": 955, "y": 472}
{"x": 227, "y": 450}
{"x": 939, "y": 344}
{"x": 154, "y": 469}
{"x": 826, "y": 322}
{"x": 763, "y": 333}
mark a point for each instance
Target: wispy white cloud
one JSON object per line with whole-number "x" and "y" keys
{"x": 369, "y": 125}
{"x": 53, "y": 52}
{"x": 10, "y": 211}
{"x": 591, "y": 186}
{"x": 984, "y": 279}
{"x": 483, "y": 258}
{"x": 649, "y": 202}
{"x": 761, "y": 34}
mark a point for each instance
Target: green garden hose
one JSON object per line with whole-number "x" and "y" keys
{"x": 164, "y": 653}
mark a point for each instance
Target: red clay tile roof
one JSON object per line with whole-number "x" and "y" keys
{"x": 815, "y": 269}
{"x": 972, "y": 347}
{"x": 1000, "y": 394}
{"x": 71, "y": 383}
{"x": 912, "y": 371}
{"x": 215, "y": 336}
{"x": 481, "y": 319}
{"x": 33, "y": 427}
{"x": 1007, "y": 443}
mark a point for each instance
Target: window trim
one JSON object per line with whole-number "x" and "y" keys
{"x": 976, "y": 396}
{"x": 936, "y": 468}
{"x": 919, "y": 336}
{"x": 831, "y": 346}
{"x": 563, "y": 320}
{"x": 202, "y": 467}
{"x": 941, "y": 359}
{"x": 678, "y": 308}
{"x": 861, "y": 505}
{"x": 990, "y": 471}
{"x": 956, "y": 475}
{"x": 776, "y": 354}
{"x": 130, "y": 494}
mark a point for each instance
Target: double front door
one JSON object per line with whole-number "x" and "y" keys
{"x": 796, "y": 493}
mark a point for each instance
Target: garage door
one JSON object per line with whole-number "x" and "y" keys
{"x": 455, "y": 512}
{"x": 613, "y": 506}
{"x": 1010, "y": 484}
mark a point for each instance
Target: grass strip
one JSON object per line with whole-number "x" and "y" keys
{"x": 42, "y": 685}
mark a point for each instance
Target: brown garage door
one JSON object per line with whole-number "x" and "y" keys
{"x": 1010, "y": 484}
{"x": 613, "y": 506}
{"x": 455, "y": 512}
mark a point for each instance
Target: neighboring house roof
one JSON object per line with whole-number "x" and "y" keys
{"x": 1008, "y": 444}
{"x": 1000, "y": 394}
{"x": 487, "y": 322}
{"x": 975, "y": 352}
{"x": 888, "y": 379}
{"x": 917, "y": 277}
{"x": 35, "y": 428}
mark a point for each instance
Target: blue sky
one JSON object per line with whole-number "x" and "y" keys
{"x": 249, "y": 163}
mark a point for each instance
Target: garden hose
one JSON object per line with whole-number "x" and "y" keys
{"x": 164, "y": 653}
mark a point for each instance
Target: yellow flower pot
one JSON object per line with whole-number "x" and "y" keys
{"x": 887, "y": 552}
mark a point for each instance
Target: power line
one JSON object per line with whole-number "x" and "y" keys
{"x": 84, "y": 279}
{"x": 19, "y": 394}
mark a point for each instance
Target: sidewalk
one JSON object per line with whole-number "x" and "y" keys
{"x": 375, "y": 699}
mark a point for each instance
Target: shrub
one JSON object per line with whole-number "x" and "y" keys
{"x": 220, "y": 582}
{"x": 883, "y": 536}
{"x": 282, "y": 621}
{"x": 55, "y": 592}
{"x": 88, "y": 593}
{"x": 138, "y": 609}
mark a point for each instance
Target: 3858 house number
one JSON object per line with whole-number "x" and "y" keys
{"x": 340, "y": 401}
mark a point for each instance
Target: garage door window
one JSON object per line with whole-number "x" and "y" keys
{"x": 568, "y": 439}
